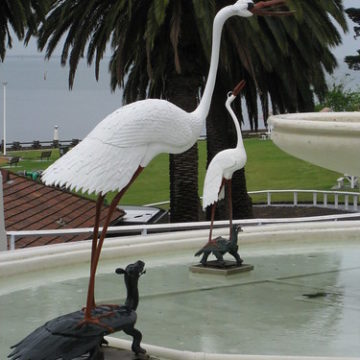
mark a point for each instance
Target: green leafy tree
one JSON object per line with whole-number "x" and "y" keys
{"x": 354, "y": 60}
{"x": 161, "y": 48}
{"x": 23, "y": 17}
{"x": 339, "y": 98}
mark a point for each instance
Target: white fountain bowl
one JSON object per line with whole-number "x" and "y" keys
{"x": 330, "y": 140}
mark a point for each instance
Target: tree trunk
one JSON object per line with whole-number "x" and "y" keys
{"x": 184, "y": 199}
{"x": 221, "y": 135}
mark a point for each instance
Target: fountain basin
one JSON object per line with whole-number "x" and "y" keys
{"x": 330, "y": 140}
{"x": 263, "y": 313}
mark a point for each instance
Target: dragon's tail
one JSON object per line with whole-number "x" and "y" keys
{"x": 198, "y": 253}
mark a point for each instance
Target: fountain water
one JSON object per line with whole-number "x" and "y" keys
{"x": 302, "y": 299}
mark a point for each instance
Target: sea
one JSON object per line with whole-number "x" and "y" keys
{"x": 37, "y": 98}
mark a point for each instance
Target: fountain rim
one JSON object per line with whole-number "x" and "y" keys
{"x": 314, "y": 122}
{"x": 174, "y": 354}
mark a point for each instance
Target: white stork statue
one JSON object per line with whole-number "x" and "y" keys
{"x": 223, "y": 165}
{"x": 115, "y": 152}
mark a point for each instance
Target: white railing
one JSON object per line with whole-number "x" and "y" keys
{"x": 349, "y": 199}
{"x": 145, "y": 229}
{"x": 319, "y": 198}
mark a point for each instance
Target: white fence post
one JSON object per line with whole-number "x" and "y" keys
{"x": 314, "y": 198}
{"x": 346, "y": 202}
{"x": 12, "y": 242}
{"x": 295, "y": 198}
{"x": 269, "y": 198}
{"x": 325, "y": 200}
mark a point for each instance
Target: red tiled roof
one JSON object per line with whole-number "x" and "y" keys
{"x": 30, "y": 205}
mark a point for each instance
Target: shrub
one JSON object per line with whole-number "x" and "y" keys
{"x": 338, "y": 98}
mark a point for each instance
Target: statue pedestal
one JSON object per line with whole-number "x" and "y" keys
{"x": 212, "y": 267}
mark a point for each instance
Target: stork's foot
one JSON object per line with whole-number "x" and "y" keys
{"x": 95, "y": 320}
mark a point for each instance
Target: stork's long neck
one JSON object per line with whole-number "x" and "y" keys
{"x": 240, "y": 143}
{"x": 132, "y": 299}
{"x": 204, "y": 106}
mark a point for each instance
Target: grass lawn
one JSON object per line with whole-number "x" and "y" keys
{"x": 30, "y": 160}
{"x": 267, "y": 168}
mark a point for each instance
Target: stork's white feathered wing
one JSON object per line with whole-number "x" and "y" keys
{"x": 221, "y": 166}
{"x": 127, "y": 138}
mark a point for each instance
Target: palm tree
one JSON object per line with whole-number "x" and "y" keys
{"x": 284, "y": 63}
{"x": 353, "y": 61}
{"x": 148, "y": 60}
{"x": 161, "y": 48}
{"x": 23, "y": 17}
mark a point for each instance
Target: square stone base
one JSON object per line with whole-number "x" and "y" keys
{"x": 212, "y": 267}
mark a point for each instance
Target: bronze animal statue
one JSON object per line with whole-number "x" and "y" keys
{"x": 68, "y": 337}
{"x": 220, "y": 246}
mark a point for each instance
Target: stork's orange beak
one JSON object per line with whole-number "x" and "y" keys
{"x": 239, "y": 87}
{"x": 270, "y": 8}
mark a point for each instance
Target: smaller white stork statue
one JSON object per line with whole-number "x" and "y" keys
{"x": 222, "y": 167}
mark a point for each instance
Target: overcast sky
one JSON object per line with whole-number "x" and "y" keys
{"x": 349, "y": 46}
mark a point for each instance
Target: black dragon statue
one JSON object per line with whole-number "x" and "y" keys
{"x": 67, "y": 337}
{"x": 220, "y": 246}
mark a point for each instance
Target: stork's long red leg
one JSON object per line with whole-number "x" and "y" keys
{"x": 212, "y": 221}
{"x": 229, "y": 185}
{"x": 96, "y": 256}
{"x": 99, "y": 202}
{"x": 213, "y": 213}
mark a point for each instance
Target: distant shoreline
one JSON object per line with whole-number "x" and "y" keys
{"x": 44, "y": 144}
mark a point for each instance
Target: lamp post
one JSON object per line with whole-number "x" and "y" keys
{"x": 3, "y": 239}
{"x": 4, "y": 149}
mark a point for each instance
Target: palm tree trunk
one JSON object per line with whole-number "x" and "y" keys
{"x": 184, "y": 198}
{"x": 242, "y": 203}
{"x": 221, "y": 135}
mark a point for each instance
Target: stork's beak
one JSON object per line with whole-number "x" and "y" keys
{"x": 270, "y": 8}
{"x": 239, "y": 87}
